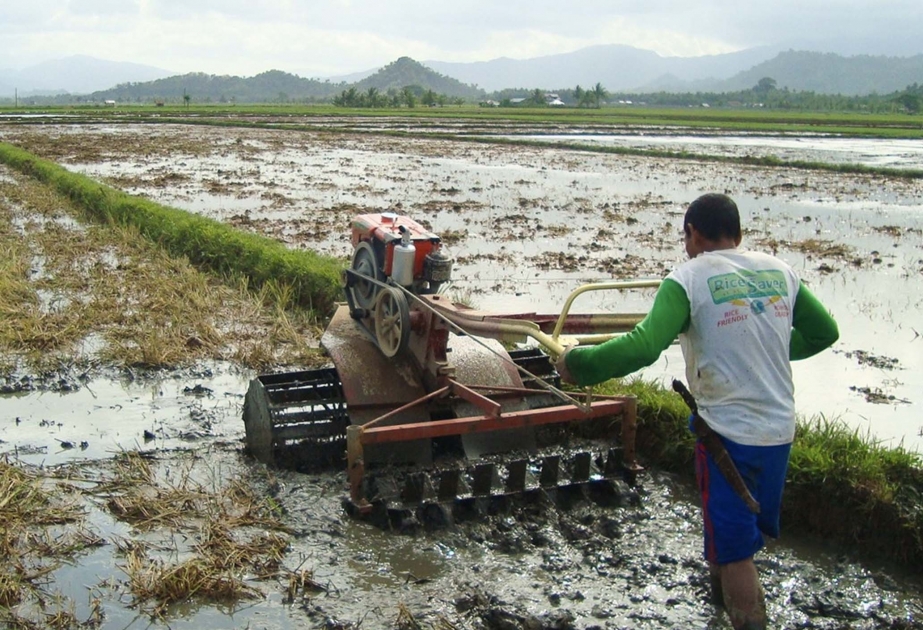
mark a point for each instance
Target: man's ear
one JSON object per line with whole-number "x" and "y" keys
{"x": 695, "y": 235}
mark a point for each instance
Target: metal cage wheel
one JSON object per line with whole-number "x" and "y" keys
{"x": 258, "y": 423}
{"x": 365, "y": 263}
{"x": 392, "y": 321}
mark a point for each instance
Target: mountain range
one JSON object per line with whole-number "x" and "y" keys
{"x": 620, "y": 69}
{"x": 79, "y": 74}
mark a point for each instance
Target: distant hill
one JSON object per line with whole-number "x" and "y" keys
{"x": 618, "y": 68}
{"x": 826, "y": 73}
{"x": 277, "y": 86}
{"x": 352, "y": 77}
{"x": 405, "y": 71}
{"x": 266, "y": 87}
{"x": 79, "y": 74}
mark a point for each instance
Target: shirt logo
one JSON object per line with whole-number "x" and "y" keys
{"x": 745, "y": 286}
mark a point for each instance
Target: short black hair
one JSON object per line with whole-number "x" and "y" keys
{"x": 715, "y": 216}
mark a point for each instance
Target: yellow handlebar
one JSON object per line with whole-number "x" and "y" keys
{"x": 554, "y": 345}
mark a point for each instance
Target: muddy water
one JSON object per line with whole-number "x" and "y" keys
{"x": 73, "y": 419}
{"x": 631, "y": 561}
{"x": 526, "y": 226}
{"x": 907, "y": 154}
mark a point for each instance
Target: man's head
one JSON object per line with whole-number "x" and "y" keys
{"x": 711, "y": 222}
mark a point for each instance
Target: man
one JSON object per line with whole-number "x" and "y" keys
{"x": 741, "y": 317}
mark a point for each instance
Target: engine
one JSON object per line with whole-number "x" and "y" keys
{"x": 401, "y": 250}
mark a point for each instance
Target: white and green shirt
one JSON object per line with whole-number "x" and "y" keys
{"x": 740, "y": 317}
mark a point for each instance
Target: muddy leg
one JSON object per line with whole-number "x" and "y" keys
{"x": 717, "y": 594}
{"x": 743, "y": 595}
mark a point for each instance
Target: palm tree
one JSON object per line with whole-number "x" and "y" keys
{"x": 347, "y": 98}
{"x": 599, "y": 94}
{"x": 372, "y": 97}
{"x": 409, "y": 98}
{"x": 578, "y": 95}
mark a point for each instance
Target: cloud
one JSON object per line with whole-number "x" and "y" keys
{"x": 315, "y": 38}
{"x": 103, "y": 8}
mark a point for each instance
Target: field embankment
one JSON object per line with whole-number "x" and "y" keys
{"x": 312, "y": 280}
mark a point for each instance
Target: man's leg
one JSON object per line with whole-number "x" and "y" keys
{"x": 743, "y": 595}
{"x": 731, "y": 531}
{"x": 717, "y": 593}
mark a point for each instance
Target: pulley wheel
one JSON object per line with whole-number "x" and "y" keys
{"x": 392, "y": 321}
{"x": 366, "y": 264}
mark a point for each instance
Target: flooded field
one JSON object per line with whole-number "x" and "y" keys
{"x": 906, "y": 154}
{"x": 526, "y": 226}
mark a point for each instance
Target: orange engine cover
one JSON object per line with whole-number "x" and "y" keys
{"x": 385, "y": 228}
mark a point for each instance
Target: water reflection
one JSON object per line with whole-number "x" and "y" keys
{"x": 813, "y": 148}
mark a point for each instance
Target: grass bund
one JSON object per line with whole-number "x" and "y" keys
{"x": 842, "y": 486}
{"x": 311, "y": 280}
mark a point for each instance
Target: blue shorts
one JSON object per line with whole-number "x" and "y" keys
{"x": 732, "y": 531}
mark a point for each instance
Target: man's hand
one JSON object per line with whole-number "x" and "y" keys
{"x": 561, "y": 366}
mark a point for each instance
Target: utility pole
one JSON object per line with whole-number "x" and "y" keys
{"x": 16, "y": 96}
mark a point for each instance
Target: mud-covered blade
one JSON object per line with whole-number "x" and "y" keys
{"x": 476, "y": 364}
{"x": 373, "y": 385}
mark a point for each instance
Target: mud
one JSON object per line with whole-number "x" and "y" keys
{"x": 526, "y": 226}
{"x": 629, "y": 559}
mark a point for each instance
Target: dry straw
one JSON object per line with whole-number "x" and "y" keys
{"x": 237, "y": 536}
{"x": 63, "y": 283}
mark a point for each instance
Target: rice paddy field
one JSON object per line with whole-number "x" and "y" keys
{"x": 124, "y": 370}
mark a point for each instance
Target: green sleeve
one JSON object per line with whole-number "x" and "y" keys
{"x": 813, "y": 329}
{"x": 630, "y": 352}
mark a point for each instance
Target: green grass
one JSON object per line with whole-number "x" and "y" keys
{"x": 846, "y": 486}
{"x": 715, "y": 119}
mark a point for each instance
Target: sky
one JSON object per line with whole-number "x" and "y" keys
{"x": 332, "y": 38}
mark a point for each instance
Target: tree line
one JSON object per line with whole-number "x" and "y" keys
{"x": 408, "y": 96}
{"x": 765, "y": 94}
{"x": 207, "y": 89}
